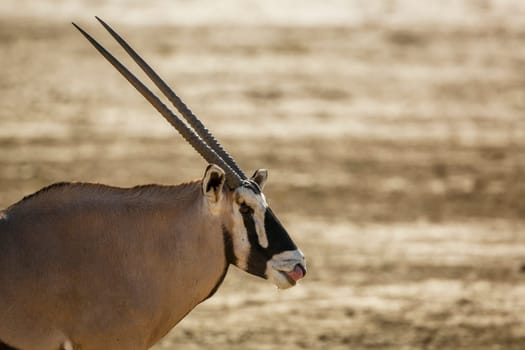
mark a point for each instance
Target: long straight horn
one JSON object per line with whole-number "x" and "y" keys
{"x": 232, "y": 178}
{"x": 191, "y": 118}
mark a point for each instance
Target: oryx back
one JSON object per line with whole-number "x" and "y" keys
{"x": 117, "y": 257}
{"x": 91, "y": 267}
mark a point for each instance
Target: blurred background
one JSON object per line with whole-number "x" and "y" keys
{"x": 393, "y": 130}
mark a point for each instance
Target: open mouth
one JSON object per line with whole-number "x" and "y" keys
{"x": 295, "y": 275}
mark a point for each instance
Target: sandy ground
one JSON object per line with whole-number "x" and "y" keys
{"x": 394, "y": 135}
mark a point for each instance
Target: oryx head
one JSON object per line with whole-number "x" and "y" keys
{"x": 260, "y": 245}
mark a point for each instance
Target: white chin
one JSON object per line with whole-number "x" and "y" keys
{"x": 285, "y": 261}
{"x": 279, "y": 279}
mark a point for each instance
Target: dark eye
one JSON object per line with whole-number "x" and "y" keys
{"x": 245, "y": 209}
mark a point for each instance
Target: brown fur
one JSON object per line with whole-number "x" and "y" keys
{"x": 128, "y": 263}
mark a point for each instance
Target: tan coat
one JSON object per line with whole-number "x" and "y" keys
{"x": 58, "y": 251}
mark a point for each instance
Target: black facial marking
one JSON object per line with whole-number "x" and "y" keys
{"x": 278, "y": 239}
{"x": 245, "y": 209}
{"x": 228, "y": 247}
{"x": 252, "y": 185}
{"x": 230, "y": 259}
{"x": 257, "y": 257}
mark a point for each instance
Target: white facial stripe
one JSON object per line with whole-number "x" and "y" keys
{"x": 259, "y": 205}
{"x": 251, "y": 198}
{"x": 258, "y": 217}
{"x": 241, "y": 245}
{"x": 264, "y": 203}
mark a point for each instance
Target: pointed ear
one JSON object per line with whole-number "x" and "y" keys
{"x": 212, "y": 183}
{"x": 260, "y": 176}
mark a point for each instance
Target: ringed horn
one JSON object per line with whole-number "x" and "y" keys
{"x": 198, "y": 136}
{"x": 125, "y": 265}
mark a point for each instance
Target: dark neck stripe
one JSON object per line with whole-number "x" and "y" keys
{"x": 228, "y": 247}
{"x": 230, "y": 259}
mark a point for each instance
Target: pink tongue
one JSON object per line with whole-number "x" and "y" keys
{"x": 296, "y": 274}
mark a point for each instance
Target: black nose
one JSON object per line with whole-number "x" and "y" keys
{"x": 278, "y": 238}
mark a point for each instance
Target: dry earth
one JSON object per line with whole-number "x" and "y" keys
{"x": 395, "y": 149}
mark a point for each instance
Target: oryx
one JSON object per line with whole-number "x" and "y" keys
{"x": 89, "y": 266}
